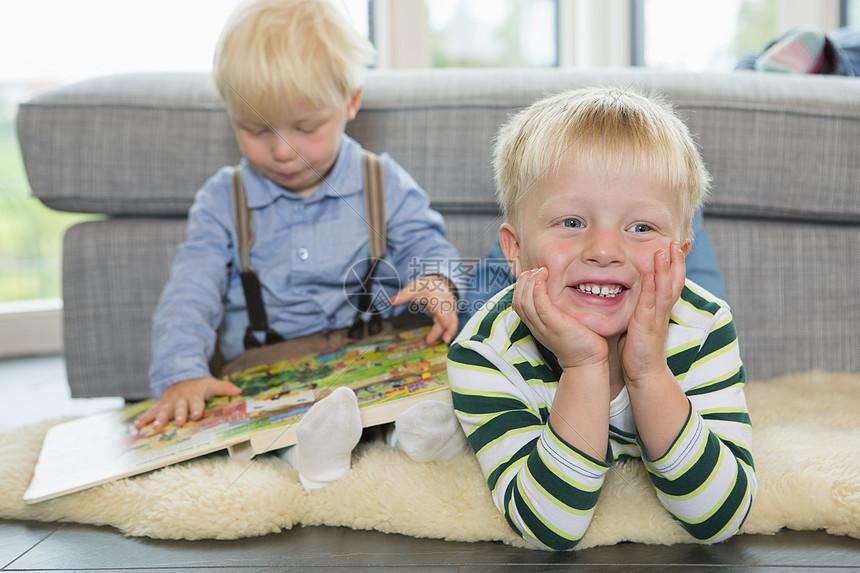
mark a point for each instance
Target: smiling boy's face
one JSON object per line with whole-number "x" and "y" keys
{"x": 597, "y": 237}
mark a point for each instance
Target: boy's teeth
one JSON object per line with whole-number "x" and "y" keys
{"x": 605, "y": 290}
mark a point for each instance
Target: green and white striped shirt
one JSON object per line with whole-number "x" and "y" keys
{"x": 504, "y": 381}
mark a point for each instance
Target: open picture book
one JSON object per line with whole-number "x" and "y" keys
{"x": 388, "y": 376}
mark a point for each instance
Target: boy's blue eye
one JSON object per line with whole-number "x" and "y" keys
{"x": 572, "y": 223}
{"x": 641, "y": 228}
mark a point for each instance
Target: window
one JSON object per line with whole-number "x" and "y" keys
{"x": 493, "y": 33}
{"x": 359, "y": 14}
{"x": 850, "y": 15}
{"x": 699, "y": 36}
{"x": 712, "y": 36}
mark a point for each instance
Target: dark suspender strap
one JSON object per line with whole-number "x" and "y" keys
{"x": 257, "y": 319}
{"x": 374, "y": 203}
{"x": 244, "y": 219}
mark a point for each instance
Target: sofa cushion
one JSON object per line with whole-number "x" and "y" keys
{"x": 142, "y": 144}
{"x": 127, "y": 144}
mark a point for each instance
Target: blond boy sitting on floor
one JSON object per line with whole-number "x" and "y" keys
{"x": 290, "y": 74}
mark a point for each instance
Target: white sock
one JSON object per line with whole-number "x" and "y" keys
{"x": 429, "y": 432}
{"x": 289, "y": 455}
{"x": 325, "y": 438}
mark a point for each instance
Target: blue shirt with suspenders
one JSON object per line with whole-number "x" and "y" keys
{"x": 310, "y": 254}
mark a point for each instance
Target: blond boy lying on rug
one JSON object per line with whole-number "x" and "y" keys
{"x": 602, "y": 350}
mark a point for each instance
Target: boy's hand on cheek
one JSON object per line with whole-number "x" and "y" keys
{"x": 185, "y": 400}
{"x": 572, "y": 343}
{"x": 435, "y": 293}
{"x": 642, "y": 348}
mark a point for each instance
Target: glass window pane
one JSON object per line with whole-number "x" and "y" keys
{"x": 706, "y": 36}
{"x": 493, "y": 33}
{"x": 84, "y": 39}
{"x": 359, "y": 13}
{"x": 97, "y": 37}
{"x": 852, "y": 13}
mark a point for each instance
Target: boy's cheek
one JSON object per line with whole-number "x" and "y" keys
{"x": 651, "y": 264}
{"x": 647, "y": 264}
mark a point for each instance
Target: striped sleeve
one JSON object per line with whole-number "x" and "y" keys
{"x": 707, "y": 478}
{"x": 546, "y": 489}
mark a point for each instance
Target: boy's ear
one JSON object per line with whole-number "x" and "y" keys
{"x": 510, "y": 247}
{"x": 686, "y": 245}
{"x": 353, "y": 104}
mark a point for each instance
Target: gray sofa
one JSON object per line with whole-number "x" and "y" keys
{"x": 784, "y": 216}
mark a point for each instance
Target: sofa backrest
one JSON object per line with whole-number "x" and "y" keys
{"x": 784, "y": 213}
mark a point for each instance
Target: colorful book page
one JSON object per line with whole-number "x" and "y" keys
{"x": 388, "y": 376}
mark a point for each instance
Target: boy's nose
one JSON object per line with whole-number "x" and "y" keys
{"x": 604, "y": 247}
{"x": 282, "y": 150}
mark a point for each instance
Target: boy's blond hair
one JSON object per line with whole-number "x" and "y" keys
{"x": 273, "y": 54}
{"x": 596, "y": 127}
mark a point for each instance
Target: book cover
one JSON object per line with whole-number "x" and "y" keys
{"x": 387, "y": 376}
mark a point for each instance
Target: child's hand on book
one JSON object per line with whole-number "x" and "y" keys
{"x": 185, "y": 400}
{"x": 436, "y": 295}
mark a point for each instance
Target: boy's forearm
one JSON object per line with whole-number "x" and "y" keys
{"x": 523, "y": 471}
{"x": 660, "y": 409}
{"x": 418, "y": 243}
{"x": 548, "y": 512}
{"x": 191, "y": 305}
{"x": 706, "y": 478}
{"x": 580, "y": 409}
{"x": 705, "y": 484}
{"x": 522, "y": 456}
{"x": 182, "y": 339}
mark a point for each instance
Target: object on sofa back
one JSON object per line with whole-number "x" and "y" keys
{"x": 784, "y": 213}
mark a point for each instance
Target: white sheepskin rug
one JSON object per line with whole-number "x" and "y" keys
{"x": 806, "y": 432}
